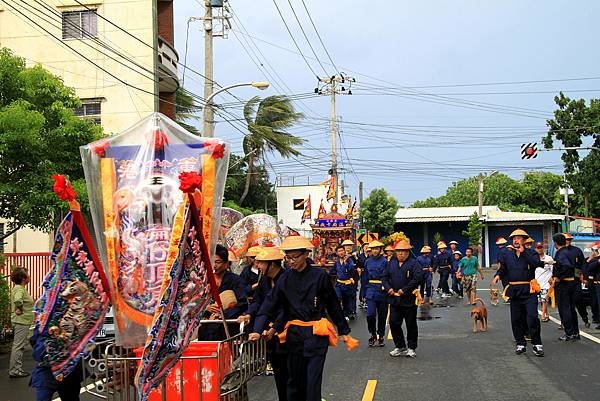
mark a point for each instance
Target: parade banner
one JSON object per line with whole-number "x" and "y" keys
{"x": 76, "y": 294}
{"x": 135, "y": 201}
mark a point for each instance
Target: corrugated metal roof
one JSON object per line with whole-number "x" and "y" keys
{"x": 491, "y": 214}
{"x": 432, "y": 214}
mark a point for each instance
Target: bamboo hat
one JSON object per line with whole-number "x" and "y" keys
{"x": 568, "y": 236}
{"x": 268, "y": 254}
{"x": 426, "y": 249}
{"x": 501, "y": 241}
{"x": 376, "y": 244}
{"x": 228, "y": 299}
{"x": 442, "y": 245}
{"x": 389, "y": 248}
{"x": 519, "y": 232}
{"x": 348, "y": 242}
{"x": 295, "y": 242}
{"x": 402, "y": 245}
{"x": 529, "y": 240}
{"x": 253, "y": 251}
{"x": 457, "y": 252}
{"x": 453, "y": 242}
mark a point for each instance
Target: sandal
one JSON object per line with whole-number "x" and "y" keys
{"x": 545, "y": 319}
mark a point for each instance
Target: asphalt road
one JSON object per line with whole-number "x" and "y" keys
{"x": 452, "y": 364}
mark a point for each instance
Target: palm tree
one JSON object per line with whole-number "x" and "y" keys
{"x": 186, "y": 110}
{"x": 267, "y": 121}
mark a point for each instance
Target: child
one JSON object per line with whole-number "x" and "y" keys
{"x": 543, "y": 276}
{"x": 457, "y": 285}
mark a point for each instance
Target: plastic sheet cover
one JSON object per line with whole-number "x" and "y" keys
{"x": 133, "y": 188}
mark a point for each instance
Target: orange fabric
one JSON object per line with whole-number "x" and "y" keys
{"x": 568, "y": 279}
{"x": 346, "y": 282}
{"x": 551, "y": 296}
{"x": 208, "y": 193}
{"x": 322, "y": 327}
{"x": 534, "y": 287}
{"x": 418, "y": 297}
{"x": 351, "y": 343}
{"x": 506, "y": 297}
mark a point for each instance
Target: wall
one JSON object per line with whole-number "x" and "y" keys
{"x": 122, "y": 106}
{"x": 26, "y": 240}
{"x": 285, "y": 205}
{"x": 422, "y": 234}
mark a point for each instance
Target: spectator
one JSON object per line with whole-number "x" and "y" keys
{"x": 468, "y": 268}
{"x": 21, "y": 319}
{"x": 543, "y": 275}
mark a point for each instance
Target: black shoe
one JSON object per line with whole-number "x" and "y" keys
{"x": 372, "y": 340}
{"x": 380, "y": 342}
{"x": 560, "y": 327}
{"x": 521, "y": 349}
{"x": 575, "y": 337}
{"x": 564, "y": 337}
{"x": 586, "y": 324}
{"x": 538, "y": 350}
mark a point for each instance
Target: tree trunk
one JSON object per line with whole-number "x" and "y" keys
{"x": 11, "y": 232}
{"x": 249, "y": 173}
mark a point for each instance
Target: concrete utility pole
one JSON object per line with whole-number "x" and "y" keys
{"x": 209, "y": 114}
{"x": 331, "y": 86}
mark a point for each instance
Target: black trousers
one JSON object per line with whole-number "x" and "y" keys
{"x": 305, "y": 377}
{"x": 444, "y": 275}
{"x": 523, "y": 315}
{"x": 280, "y": 373}
{"x": 408, "y": 314}
{"x": 565, "y": 293}
{"x": 376, "y": 316}
{"x": 594, "y": 289}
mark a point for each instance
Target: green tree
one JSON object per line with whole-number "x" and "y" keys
{"x": 267, "y": 121}
{"x": 378, "y": 212}
{"x": 536, "y": 192}
{"x": 39, "y": 136}
{"x": 186, "y": 111}
{"x": 473, "y": 231}
{"x": 261, "y": 193}
{"x": 577, "y": 124}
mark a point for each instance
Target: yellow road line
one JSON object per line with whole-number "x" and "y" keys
{"x": 369, "y": 390}
{"x": 390, "y": 334}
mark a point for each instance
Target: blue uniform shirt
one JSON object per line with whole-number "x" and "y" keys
{"x": 405, "y": 277}
{"x": 374, "y": 267}
{"x": 592, "y": 269}
{"x": 565, "y": 262}
{"x": 425, "y": 261}
{"x": 442, "y": 260}
{"x": 344, "y": 271}
{"x": 519, "y": 268}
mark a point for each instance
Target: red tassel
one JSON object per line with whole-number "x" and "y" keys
{"x": 217, "y": 149}
{"x": 100, "y": 147}
{"x": 62, "y": 187}
{"x": 189, "y": 182}
{"x": 160, "y": 140}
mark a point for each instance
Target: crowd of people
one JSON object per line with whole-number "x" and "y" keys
{"x": 301, "y": 309}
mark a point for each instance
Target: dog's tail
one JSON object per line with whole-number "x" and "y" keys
{"x": 480, "y": 300}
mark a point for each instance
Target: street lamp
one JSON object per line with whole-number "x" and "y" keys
{"x": 208, "y": 110}
{"x": 480, "y": 179}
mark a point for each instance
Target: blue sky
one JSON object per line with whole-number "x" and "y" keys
{"x": 411, "y": 125}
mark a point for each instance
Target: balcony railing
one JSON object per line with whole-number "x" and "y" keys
{"x": 167, "y": 62}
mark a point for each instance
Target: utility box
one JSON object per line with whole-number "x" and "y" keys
{"x": 216, "y": 3}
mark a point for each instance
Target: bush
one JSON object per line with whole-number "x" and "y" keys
{"x": 5, "y": 308}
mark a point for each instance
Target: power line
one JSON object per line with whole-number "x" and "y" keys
{"x": 294, "y": 39}
{"x": 319, "y": 36}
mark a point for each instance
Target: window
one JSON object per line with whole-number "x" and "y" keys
{"x": 90, "y": 109}
{"x": 79, "y": 24}
{"x": 298, "y": 204}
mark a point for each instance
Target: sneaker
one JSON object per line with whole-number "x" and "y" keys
{"x": 269, "y": 369}
{"x": 446, "y": 295}
{"x": 18, "y": 375}
{"x": 410, "y": 353}
{"x": 372, "y": 340}
{"x": 564, "y": 337}
{"x": 538, "y": 350}
{"x": 347, "y": 319}
{"x": 398, "y": 352}
{"x": 380, "y": 342}
{"x": 587, "y": 324}
{"x": 575, "y": 337}
{"x": 521, "y": 349}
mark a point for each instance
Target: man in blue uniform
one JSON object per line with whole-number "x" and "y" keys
{"x": 401, "y": 280}
{"x": 306, "y": 296}
{"x": 519, "y": 267}
{"x": 426, "y": 262}
{"x": 349, "y": 248}
{"x": 344, "y": 271}
{"x": 376, "y": 296}
{"x": 582, "y": 292}
{"x": 563, "y": 280}
{"x": 442, "y": 263}
{"x": 592, "y": 272}
{"x": 362, "y": 259}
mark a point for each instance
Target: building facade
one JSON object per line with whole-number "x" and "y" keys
{"x": 117, "y": 55}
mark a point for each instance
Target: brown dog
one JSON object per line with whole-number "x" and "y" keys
{"x": 494, "y": 296}
{"x": 479, "y": 314}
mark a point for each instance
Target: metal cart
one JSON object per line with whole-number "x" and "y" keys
{"x": 207, "y": 371}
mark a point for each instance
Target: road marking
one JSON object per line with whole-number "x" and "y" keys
{"x": 582, "y": 333}
{"x": 83, "y": 389}
{"x": 369, "y": 393}
{"x": 390, "y": 335}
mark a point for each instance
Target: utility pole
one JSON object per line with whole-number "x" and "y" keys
{"x": 209, "y": 114}
{"x": 332, "y": 86}
{"x": 360, "y": 199}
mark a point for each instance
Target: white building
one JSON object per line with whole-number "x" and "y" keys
{"x": 289, "y": 214}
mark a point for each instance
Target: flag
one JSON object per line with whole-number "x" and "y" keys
{"x": 322, "y": 211}
{"x": 307, "y": 215}
{"x": 187, "y": 289}
{"x": 332, "y": 189}
{"x": 351, "y": 212}
{"x": 302, "y": 203}
{"x": 76, "y": 294}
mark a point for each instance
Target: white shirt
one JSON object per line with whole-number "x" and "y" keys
{"x": 544, "y": 274}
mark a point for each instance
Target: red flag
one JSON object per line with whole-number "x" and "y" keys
{"x": 332, "y": 189}
{"x": 322, "y": 211}
{"x": 307, "y": 215}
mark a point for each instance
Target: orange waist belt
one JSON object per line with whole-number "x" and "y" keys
{"x": 322, "y": 327}
{"x": 534, "y": 287}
